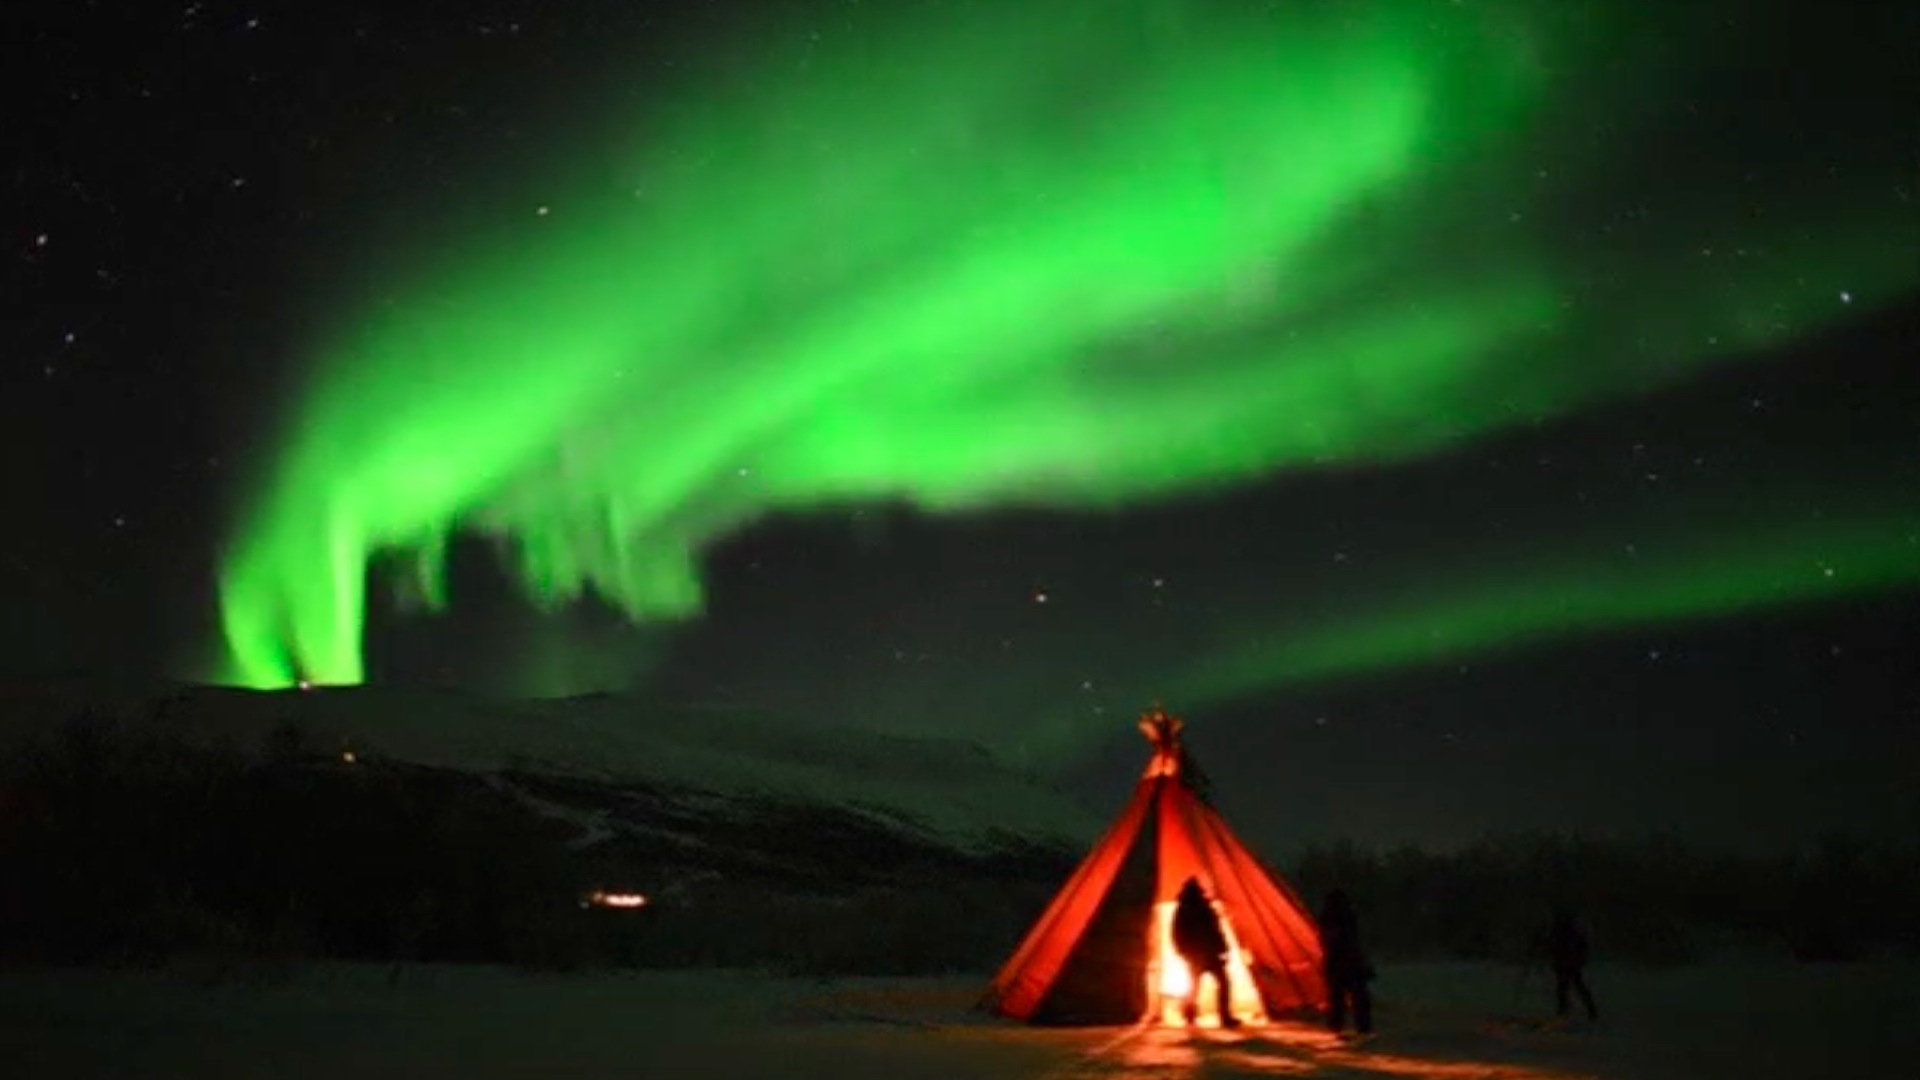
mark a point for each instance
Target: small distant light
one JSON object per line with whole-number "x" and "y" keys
{"x": 305, "y": 685}
{"x": 348, "y": 757}
{"x": 1040, "y": 596}
{"x": 1846, "y": 297}
{"x": 624, "y": 901}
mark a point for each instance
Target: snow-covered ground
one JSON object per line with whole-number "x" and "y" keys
{"x": 1447, "y": 1022}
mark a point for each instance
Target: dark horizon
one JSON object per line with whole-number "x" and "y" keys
{"x": 1284, "y": 783}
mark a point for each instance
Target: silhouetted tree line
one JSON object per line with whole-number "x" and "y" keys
{"x": 1649, "y": 900}
{"x": 130, "y": 846}
{"x": 125, "y": 845}
{"x": 138, "y": 848}
{"x": 925, "y": 927}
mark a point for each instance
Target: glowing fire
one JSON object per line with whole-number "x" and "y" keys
{"x": 1170, "y": 982}
{"x": 1176, "y": 979}
{"x": 626, "y": 900}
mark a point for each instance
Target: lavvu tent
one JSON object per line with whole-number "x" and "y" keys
{"x": 1102, "y": 951}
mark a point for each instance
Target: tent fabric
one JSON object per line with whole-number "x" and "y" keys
{"x": 1086, "y": 959}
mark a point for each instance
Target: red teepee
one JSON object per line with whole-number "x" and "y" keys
{"x": 1102, "y": 951}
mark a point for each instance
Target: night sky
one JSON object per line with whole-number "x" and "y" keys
{"x": 1474, "y": 416}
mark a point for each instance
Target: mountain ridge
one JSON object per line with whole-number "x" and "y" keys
{"x": 944, "y": 790}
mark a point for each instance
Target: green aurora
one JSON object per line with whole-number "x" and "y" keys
{"x": 951, "y": 260}
{"x": 1697, "y": 576}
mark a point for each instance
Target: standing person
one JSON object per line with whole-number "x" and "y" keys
{"x": 1198, "y": 939}
{"x": 1567, "y": 952}
{"x": 1346, "y": 967}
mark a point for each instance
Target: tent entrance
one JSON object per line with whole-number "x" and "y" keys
{"x": 1102, "y": 952}
{"x": 1170, "y": 982}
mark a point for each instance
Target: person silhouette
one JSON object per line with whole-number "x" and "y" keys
{"x": 1345, "y": 964}
{"x": 1198, "y": 939}
{"x": 1567, "y": 953}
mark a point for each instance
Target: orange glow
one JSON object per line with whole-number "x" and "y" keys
{"x": 1176, "y": 979}
{"x": 1170, "y": 824}
{"x": 1432, "y": 1069}
{"x": 1162, "y": 729}
{"x": 1170, "y": 983}
{"x": 1287, "y": 1049}
{"x": 1318, "y": 1056}
{"x": 625, "y": 900}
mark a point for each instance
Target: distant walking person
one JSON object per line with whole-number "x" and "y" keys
{"x": 1567, "y": 952}
{"x": 1346, "y": 967}
{"x": 1198, "y": 939}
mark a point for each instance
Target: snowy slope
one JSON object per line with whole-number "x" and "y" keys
{"x": 948, "y": 790}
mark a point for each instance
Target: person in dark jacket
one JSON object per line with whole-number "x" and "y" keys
{"x": 1198, "y": 939}
{"x": 1345, "y": 964}
{"x": 1567, "y": 952}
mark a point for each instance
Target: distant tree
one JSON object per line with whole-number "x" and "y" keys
{"x": 286, "y": 743}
